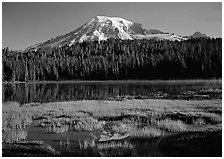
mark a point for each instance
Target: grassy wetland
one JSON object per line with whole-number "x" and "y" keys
{"x": 120, "y": 126}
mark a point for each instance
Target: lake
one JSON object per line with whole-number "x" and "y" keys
{"x": 108, "y": 90}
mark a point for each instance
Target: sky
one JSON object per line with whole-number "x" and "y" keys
{"x": 27, "y": 23}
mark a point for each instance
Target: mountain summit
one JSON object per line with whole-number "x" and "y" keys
{"x": 198, "y": 34}
{"x": 102, "y": 28}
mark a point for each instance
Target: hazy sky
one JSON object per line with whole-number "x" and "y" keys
{"x": 25, "y": 24}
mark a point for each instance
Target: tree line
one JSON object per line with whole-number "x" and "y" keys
{"x": 117, "y": 59}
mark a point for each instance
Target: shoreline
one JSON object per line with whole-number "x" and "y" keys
{"x": 114, "y": 81}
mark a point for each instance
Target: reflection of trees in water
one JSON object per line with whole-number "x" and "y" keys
{"x": 62, "y": 92}
{"x": 39, "y": 92}
{"x": 108, "y": 149}
{"x": 65, "y": 144}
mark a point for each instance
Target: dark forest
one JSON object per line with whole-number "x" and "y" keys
{"x": 116, "y": 59}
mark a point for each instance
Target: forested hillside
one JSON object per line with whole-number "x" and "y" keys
{"x": 117, "y": 59}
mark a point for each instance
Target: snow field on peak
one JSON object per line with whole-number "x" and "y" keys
{"x": 100, "y": 35}
{"x": 118, "y": 23}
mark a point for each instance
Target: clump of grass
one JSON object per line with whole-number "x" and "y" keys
{"x": 86, "y": 124}
{"x": 116, "y": 149}
{"x": 124, "y": 128}
{"x": 147, "y": 132}
{"x": 136, "y": 117}
{"x": 15, "y": 119}
{"x": 14, "y": 136}
{"x": 114, "y": 145}
{"x": 137, "y": 132}
{"x": 78, "y": 122}
{"x": 54, "y": 121}
{"x": 171, "y": 125}
{"x": 55, "y": 125}
{"x": 86, "y": 144}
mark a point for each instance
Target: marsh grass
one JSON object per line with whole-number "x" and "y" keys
{"x": 88, "y": 115}
{"x": 171, "y": 125}
{"x": 114, "y": 149}
{"x": 15, "y": 120}
{"x": 136, "y": 115}
{"x": 108, "y": 148}
{"x": 135, "y": 131}
{"x": 86, "y": 124}
{"x": 114, "y": 145}
{"x": 147, "y": 132}
{"x": 14, "y": 117}
{"x": 138, "y": 119}
{"x": 75, "y": 122}
{"x": 86, "y": 144}
{"x": 14, "y": 136}
{"x": 57, "y": 129}
{"x": 124, "y": 128}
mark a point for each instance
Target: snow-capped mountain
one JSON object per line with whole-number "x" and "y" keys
{"x": 104, "y": 27}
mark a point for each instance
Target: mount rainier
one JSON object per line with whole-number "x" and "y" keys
{"x": 102, "y": 28}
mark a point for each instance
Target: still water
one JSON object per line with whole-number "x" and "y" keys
{"x": 101, "y": 90}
